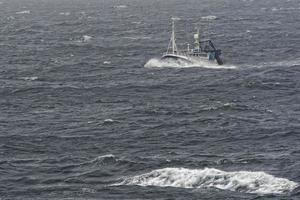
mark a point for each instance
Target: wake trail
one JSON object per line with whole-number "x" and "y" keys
{"x": 238, "y": 181}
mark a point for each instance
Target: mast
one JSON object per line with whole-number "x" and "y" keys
{"x": 197, "y": 39}
{"x": 173, "y": 36}
{"x": 172, "y": 44}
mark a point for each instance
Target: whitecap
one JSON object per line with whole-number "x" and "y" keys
{"x": 158, "y": 63}
{"x": 102, "y": 159}
{"x": 31, "y": 78}
{"x": 120, "y": 6}
{"x": 138, "y": 22}
{"x": 107, "y": 62}
{"x": 104, "y": 156}
{"x": 209, "y": 17}
{"x": 240, "y": 181}
{"x": 86, "y": 38}
{"x": 108, "y": 121}
{"x": 23, "y": 12}
{"x": 65, "y": 13}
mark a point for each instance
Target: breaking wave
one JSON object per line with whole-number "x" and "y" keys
{"x": 108, "y": 121}
{"x": 65, "y": 13}
{"x": 23, "y": 12}
{"x": 86, "y": 38}
{"x": 241, "y": 181}
{"x": 104, "y": 158}
{"x": 155, "y": 62}
{"x": 209, "y": 17}
{"x": 30, "y": 78}
{"x": 120, "y": 6}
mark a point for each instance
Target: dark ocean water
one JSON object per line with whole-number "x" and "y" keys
{"x": 81, "y": 117}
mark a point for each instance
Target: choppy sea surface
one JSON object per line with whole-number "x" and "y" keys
{"x": 87, "y": 111}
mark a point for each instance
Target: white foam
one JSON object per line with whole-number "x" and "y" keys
{"x": 23, "y": 12}
{"x": 154, "y": 62}
{"x": 138, "y": 22}
{"x": 120, "y": 6}
{"x": 241, "y": 181}
{"x": 285, "y": 9}
{"x": 284, "y": 63}
{"x": 107, "y": 62}
{"x": 86, "y": 38}
{"x": 108, "y": 121}
{"x": 105, "y": 156}
{"x": 209, "y": 17}
{"x": 31, "y": 78}
{"x": 65, "y": 13}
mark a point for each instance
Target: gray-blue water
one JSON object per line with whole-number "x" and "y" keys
{"x": 81, "y": 117}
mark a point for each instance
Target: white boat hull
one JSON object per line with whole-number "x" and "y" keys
{"x": 188, "y": 59}
{"x": 176, "y": 57}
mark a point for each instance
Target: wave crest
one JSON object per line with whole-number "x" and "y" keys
{"x": 104, "y": 158}
{"x": 242, "y": 181}
{"x": 23, "y": 12}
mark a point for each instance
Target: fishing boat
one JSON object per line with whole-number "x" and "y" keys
{"x": 203, "y": 50}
